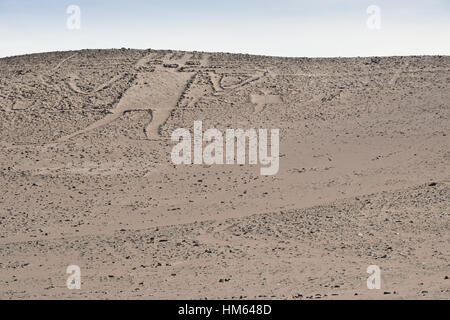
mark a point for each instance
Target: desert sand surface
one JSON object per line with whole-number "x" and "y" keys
{"x": 87, "y": 178}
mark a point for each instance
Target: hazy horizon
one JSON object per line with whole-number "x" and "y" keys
{"x": 333, "y": 28}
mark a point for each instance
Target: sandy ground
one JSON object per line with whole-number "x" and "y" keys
{"x": 87, "y": 178}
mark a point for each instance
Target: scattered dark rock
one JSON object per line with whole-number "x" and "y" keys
{"x": 192, "y": 63}
{"x": 170, "y": 65}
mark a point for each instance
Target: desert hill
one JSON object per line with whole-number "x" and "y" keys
{"x": 87, "y": 177}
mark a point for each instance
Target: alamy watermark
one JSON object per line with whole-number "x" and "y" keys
{"x": 74, "y": 19}
{"x": 374, "y": 280}
{"x": 374, "y": 20}
{"x": 74, "y": 280}
{"x": 230, "y": 149}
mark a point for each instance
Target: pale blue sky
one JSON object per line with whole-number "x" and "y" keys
{"x": 327, "y": 28}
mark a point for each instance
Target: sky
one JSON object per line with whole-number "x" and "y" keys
{"x": 290, "y": 28}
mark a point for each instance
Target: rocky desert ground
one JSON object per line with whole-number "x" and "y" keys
{"x": 87, "y": 178}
